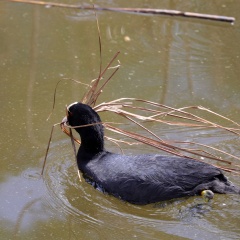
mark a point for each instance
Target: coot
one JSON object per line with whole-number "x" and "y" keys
{"x": 140, "y": 179}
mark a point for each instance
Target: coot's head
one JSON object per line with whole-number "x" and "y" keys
{"x": 81, "y": 114}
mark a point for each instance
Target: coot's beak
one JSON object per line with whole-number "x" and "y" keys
{"x": 65, "y": 121}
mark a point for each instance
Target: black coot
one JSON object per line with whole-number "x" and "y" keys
{"x": 139, "y": 179}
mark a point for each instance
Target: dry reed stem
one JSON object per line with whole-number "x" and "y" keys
{"x": 188, "y": 116}
{"x": 75, "y": 151}
{"x": 210, "y": 147}
{"x": 117, "y": 105}
{"x": 134, "y": 10}
{"x": 90, "y": 96}
{"x": 115, "y": 142}
{"x": 164, "y": 146}
{"x": 49, "y": 142}
{"x": 55, "y": 92}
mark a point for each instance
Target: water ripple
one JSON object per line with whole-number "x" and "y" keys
{"x": 91, "y": 211}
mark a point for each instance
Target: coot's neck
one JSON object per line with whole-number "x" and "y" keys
{"x": 92, "y": 139}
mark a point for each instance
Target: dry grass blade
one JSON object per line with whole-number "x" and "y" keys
{"x": 187, "y": 118}
{"x": 54, "y": 99}
{"x": 122, "y": 141}
{"x": 178, "y": 151}
{"x": 140, "y": 125}
{"x": 75, "y": 151}
{"x": 162, "y": 113}
{"x": 93, "y": 93}
{"x": 211, "y": 148}
{"x": 69, "y": 134}
{"x": 55, "y": 92}
{"x": 115, "y": 142}
{"x": 92, "y": 89}
{"x": 99, "y": 91}
{"x": 205, "y": 109}
{"x": 163, "y": 145}
{"x": 99, "y": 43}
{"x": 143, "y": 139}
{"x": 90, "y": 96}
{"x": 48, "y": 146}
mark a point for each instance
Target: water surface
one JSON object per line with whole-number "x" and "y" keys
{"x": 173, "y": 61}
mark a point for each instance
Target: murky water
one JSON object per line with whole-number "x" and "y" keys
{"x": 174, "y": 61}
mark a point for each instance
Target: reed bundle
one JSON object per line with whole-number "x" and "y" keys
{"x": 140, "y": 112}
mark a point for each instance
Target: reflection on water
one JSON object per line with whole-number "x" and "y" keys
{"x": 23, "y": 207}
{"x": 172, "y": 61}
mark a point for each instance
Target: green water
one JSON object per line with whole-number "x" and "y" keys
{"x": 173, "y": 61}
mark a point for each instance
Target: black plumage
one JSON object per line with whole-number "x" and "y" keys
{"x": 139, "y": 179}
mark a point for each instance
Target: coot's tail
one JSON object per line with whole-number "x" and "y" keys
{"x": 219, "y": 184}
{"x": 223, "y": 185}
{"x": 230, "y": 188}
